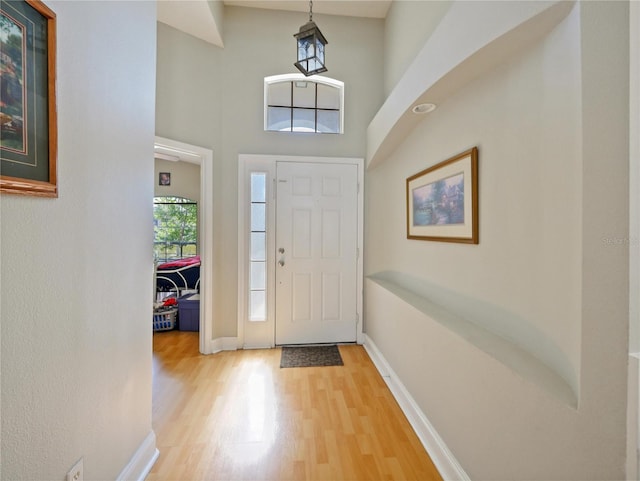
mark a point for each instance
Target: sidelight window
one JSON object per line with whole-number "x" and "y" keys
{"x": 258, "y": 248}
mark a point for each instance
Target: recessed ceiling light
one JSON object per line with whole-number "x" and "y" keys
{"x": 423, "y": 108}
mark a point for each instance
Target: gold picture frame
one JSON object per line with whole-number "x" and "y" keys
{"x": 442, "y": 201}
{"x": 28, "y": 116}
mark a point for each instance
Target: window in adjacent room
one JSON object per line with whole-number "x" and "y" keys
{"x": 175, "y": 228}
{"x": 295, "y": 103}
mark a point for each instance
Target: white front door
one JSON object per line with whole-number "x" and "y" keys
{"x": 316, "y": 253}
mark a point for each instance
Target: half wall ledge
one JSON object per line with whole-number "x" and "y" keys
{"x": 471, "y": 39}
{"x": 439, "y": 306}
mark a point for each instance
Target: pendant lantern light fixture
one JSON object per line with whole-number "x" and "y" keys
{"x": 310, "y": 43}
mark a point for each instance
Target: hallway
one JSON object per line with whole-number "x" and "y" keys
{"x": 237, "y": 415}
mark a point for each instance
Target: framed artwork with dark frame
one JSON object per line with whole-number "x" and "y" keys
{"x": 442, "y": 201}
{"x": 28, "y": 117}
{"x": 164, "y": 178}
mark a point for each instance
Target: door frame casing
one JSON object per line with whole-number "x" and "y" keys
{"x": 248, "y": 163}
{"x": 204, "y": 158}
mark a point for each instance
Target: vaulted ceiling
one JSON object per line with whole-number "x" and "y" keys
{"x": 195, "y": 16}
{"x": 353, "y": 8}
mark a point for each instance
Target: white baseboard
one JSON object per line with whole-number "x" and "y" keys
{"x": 224, "y": 344}
{"x": 442, "y": 457}
{"x": 142, "y": 461}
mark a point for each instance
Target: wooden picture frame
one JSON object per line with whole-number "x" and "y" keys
{"x": 442, "y": 201}
{"x": 28, "y": 116}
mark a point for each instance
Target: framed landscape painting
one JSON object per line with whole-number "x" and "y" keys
{"x": 442, "y": 201}
{"x": 28, "y": 125}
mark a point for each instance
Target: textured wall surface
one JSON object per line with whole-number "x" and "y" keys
{"x": 76, "y": 271}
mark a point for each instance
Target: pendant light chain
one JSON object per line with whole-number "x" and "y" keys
{"x": 311, "y": 10}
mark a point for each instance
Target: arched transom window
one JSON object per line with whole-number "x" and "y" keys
{"x": 295, "y": 103}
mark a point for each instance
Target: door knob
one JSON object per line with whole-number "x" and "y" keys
{"x": 281, "y": 250}
{"x": 281, "y": 262}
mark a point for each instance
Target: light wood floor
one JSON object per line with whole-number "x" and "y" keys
{"x": 237, "y": 416}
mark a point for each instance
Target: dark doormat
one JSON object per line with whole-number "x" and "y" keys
{"x": 309, "y": 356}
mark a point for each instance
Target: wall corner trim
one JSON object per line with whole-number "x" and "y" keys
{"x": 442, "y": 457}
{"x": 142, "y": 461}
{"x": 223, "y": 344}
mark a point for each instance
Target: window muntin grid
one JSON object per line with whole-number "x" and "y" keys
{"x": 295, "y": 103}
{"x": 258, "y": 248}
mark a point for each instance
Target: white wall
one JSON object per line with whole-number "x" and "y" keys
{"x": 408, "y": 25}
{"x": 188, "y": 105}
{"x": 530, "y": 197}
{"x": 633, "y": 418}
{"x": 214, "y": 98}
{"x": 217, "y": 11}
{"x": 76, "y": 271}
{"x": 549, "y": 273}
{"x": 634, "y": 174}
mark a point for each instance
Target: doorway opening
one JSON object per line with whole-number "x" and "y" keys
{"x": 168, "y": 149}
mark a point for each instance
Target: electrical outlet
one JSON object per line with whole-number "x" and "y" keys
{"x": 77, "y": 472}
